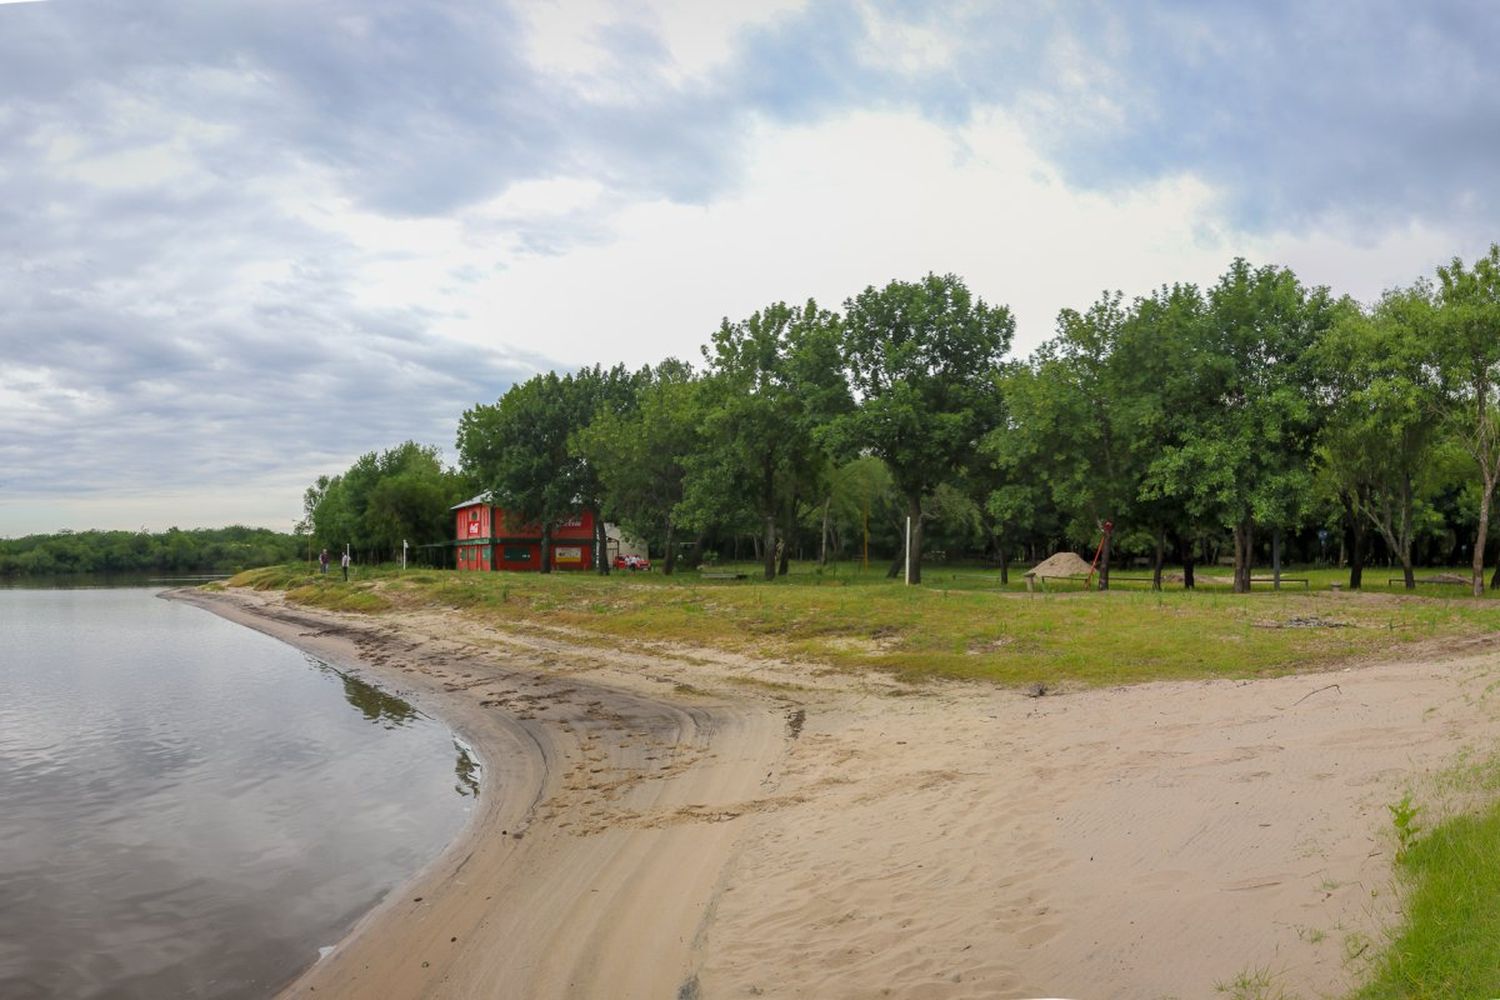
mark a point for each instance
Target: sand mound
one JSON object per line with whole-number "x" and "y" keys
{"x": 1062, "y": 564}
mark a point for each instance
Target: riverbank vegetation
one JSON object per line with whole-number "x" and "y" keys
{"x": 958, "y": 626}
{"x": 200, "y": 550}
{"x": 1255, "y": 421}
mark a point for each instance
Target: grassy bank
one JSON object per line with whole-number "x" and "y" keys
{"x": 959, "y": 624}
{"x": 1449, "y": 943}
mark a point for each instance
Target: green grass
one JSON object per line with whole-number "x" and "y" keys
{"x": 1449, "y": 943}
{"x": 959, "y": 624}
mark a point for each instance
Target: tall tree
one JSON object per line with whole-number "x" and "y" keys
{"x": 1468, "y": 325}
{"x": 641, "y": 455}
{"x": 1385, "y": 400}
{"x": 589, "y": 395}
{"x": 516, "y": 446}
{"x": 922, "y": 358}
{"x": 777, "y": 380}
{"x": 1242, "y": 455}
{"x": 383, "y": 499}
{"x": 1066, "y": 409}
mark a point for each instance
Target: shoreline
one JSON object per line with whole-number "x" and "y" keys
{"x": 486, "y": 909}
{"x": 701, "y": 824}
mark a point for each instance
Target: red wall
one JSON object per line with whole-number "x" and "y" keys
{"x": 517, "y": 546}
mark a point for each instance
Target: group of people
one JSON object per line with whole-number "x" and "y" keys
{"x": 343, "y": 561}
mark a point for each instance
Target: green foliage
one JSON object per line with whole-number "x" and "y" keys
{"x": 923, "y": 358}
{"x": 217, "y": 550}
{"x": 1449, "y": 944}
{"x": 526, "y": 448}
{"x": 1404, "y": 821}
{"x": 403, "y": 493}
{"x": 641, "y": 455}
{"x": 774, "y": 380}
{"x": 1204, "y": 416}
{"x": 1467, "y": 346}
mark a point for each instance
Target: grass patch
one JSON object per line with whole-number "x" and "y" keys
{"x": 1449, "y": 943}
{"x": 959, "y": 624}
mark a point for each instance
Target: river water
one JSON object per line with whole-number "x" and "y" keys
{"x": 189, "y": 808}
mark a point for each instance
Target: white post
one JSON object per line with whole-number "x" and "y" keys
{"x": 908, "y": 550}
{"x": 403, "y": 554}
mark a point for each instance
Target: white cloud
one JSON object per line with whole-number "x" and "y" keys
{"x": 825, "y": 211}
{"x": 577, "y": 41}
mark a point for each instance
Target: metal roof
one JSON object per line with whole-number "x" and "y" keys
{"x": 485, "y": 497}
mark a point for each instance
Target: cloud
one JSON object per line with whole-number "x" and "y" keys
{"x": 242, "y": 243}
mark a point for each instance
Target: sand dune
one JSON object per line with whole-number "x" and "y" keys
{"x": 699, "y": 825}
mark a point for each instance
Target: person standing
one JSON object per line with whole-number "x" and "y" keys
{"x": 345, "y": 563}
{"x": 323, "y": 562}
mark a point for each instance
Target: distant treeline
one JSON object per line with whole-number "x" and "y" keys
{"x": 1255, "y": 418}
{"x": 201, "y": 550}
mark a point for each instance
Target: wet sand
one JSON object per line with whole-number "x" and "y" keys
{"x": 678, "y": 823}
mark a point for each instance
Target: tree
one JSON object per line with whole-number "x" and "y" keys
{"x": 524, "y": 448}
{"x": 1066, "y": 409}
{"x": 516, "y": 446}
{"x": 922, "y": 358}
{"x": 589, "y": 395}
{"x": 1385, "y": 399}
{"x": 641, "y": 456}
{"x": 1468, "y": 328}
{"x": 383, "y": 499}
{"x": 775, "y": 381}
{"x": 1241, "y": 454}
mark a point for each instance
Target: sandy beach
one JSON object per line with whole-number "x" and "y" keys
{"x": 671, "y": 822}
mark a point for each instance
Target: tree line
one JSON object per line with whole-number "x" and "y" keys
{"x": 1257, "y": 415}
{"x": 205, "y": 550}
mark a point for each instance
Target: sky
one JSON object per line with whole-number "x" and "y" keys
{"x": 243, "y": 243}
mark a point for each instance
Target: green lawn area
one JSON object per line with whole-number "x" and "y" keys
{"x": 960, "y": 623}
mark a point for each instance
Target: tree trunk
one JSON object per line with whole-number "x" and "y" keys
{"x": 1004, "y": 562}
{"x": 1187, "y": 564}
{"x": 1159, "y": 560}
{"x": 695, "y": 555}
{"x": 1105, "y": 543}
{"x": 1482, "y": 536}
{"x": 786, "y": 538}
{"x": 914, "y": 550}
{"x": 546, "y": 566}
{"x": 669, "y": 557}
{"x": 768, "y": 546}
{"x": 1276, "y": 559}
{"x": 823, "y": 546}
{"x": 1356, "y": 555}
{"x": 1243, "y": 539}
{"x": 896, "y": 564}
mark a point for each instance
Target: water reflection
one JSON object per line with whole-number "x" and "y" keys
{"x": 467, "y": 769}
{"x": 186, "y": 809}
{"x": 374, "y": 704}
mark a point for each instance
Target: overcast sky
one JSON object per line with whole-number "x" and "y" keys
{"x": 241, "y": 244}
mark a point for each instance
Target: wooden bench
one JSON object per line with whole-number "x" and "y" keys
{"x": 1391, "y": 581}
{"x": 1032, "y": 578}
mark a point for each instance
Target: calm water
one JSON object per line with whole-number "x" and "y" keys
{"x": 190, "y": 808}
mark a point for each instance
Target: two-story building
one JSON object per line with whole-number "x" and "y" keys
{"x": 489, "y": 538}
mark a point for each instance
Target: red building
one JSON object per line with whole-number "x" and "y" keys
{"x": 488, "y": 538}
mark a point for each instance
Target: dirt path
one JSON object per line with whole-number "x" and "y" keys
{"x": 701, "y": 825}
